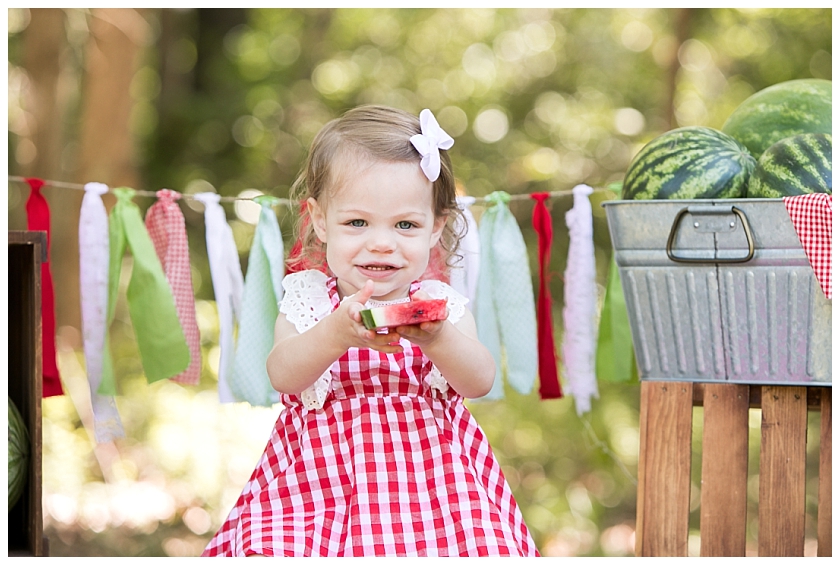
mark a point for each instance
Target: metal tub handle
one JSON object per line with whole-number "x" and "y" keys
{"x": 710, "y": 210}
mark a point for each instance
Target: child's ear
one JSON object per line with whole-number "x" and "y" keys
{"x": 318, "y": 219}
{"x": 437, "y": 231}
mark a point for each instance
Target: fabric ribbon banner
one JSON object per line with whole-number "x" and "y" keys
{"x": 228, "y": 283}
{"x": 38, "y": 219}
{"x": 504, "y": 309}
{"x": 581, "y": 303}
{"x": 93, "y": 290}
{"x": 491, "y": 269}
{"x": 164, "y": 352}
{"x": 262, "y": 292}
{"x": 167, "y": 230}
{"x": 549, "y": 382}
{"x": 464, "y": 274}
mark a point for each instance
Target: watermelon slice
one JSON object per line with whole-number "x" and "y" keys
{"x": 405, "y": 314}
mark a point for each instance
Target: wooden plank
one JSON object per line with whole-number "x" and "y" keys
{"x": 27, "y": 249}
{"x": 641, "y": 470}
{"x": 781, "y": 493}
{"x": 723, "y": 493}
{"x": 824, "y": 497}
{"x": 814, "y": 395}
{"x": 664, "y": 469}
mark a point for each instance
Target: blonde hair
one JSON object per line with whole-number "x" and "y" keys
{"x": 373, "y": 132}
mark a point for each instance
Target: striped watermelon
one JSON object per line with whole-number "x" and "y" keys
{"x": 689, "y": 162}
{"x": 405, "y": 314}
{"x": 18, "y": 454}
{"x": 779, "y": 111}
{"x": 800, "y": 164}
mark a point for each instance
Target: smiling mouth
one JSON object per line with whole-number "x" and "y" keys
{"x": 378, "y": 267}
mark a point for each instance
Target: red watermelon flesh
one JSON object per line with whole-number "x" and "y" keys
{"x": 405, "y": 314}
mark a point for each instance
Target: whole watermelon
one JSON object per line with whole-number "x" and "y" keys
{"x": 18, "y": 454}
{"x": 779, "y": 111}
{"x": 800, "y": 164}
{"x": 689, "y": 162}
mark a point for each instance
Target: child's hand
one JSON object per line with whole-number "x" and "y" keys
{"x": 349, "y": 326}
{"x": 425, "y": 333}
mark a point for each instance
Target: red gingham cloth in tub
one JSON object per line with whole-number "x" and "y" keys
{"x": 811, "y": 217}
{"x": 388, "y": 466}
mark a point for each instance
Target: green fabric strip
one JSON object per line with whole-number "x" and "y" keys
{"x": 615, "y": 360}
{"x": 160, "y": 339}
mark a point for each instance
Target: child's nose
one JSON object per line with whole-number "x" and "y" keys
{"x": 382, "y": 241}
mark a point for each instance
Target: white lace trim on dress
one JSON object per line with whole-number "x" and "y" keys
{"x": 306, "y": 301}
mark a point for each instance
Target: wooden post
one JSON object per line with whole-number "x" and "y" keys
{"x": 723, "y": 492}
{"x": 664, "y": 469}
{"x": 781, "y": 504}
{"x": 824, "y": 504}
{"x": 27, "y": 251}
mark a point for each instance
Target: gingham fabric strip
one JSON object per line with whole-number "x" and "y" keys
{"x": 389, "y": 466}
{"x": 93, "y": 290}
{"x": 580, "y": 304}
{"x": 262, "y": 291}
{"x": 38, "y": 219}
{"x": 228, "y": 282}
{"x": 160, "y": 339}
{"x": 811, "y": 217}
{"x": 168, "y": 232}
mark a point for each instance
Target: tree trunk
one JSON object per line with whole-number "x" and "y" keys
{"x": 43, "y": 42}
{"x": 106, "y": 144}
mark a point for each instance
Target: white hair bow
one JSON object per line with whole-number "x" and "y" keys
{"x": 428, "y": 144}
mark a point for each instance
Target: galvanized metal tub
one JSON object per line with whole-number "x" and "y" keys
{"x": 720, "y": 290}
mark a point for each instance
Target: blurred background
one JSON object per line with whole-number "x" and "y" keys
{"x": 228, "y": 100}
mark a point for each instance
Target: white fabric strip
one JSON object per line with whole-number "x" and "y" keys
{"x": 464, "y": 274}
{"x": 228, "y": 282}
{"x": 580, "y": 310}
{"x": 93, "y": 278}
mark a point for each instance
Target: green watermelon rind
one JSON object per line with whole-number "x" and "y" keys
{"x": 384, "y": 316}
{"x": 800, "y": 164}
{"x": 18, "y": 454}
{"x": 780, "y": 111}
{"x": 688, "y": 163}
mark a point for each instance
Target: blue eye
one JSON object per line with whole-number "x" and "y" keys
{"x": 356, "y": 223}
{"x": 405, "y": 225}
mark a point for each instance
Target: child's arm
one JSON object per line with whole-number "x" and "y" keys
{"x": 298, "y": 359}
{"x": 465, "y": 362}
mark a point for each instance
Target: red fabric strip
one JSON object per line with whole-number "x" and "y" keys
{"x": 549, "y": 382}
{"x": 38, "y": 219}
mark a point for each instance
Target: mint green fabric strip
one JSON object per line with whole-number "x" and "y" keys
{"x": 486, "y": 322}
{"x": 615, "y": 360}
{"x": 263, "y": 289}
{"x": 160, "y": 339}
{"x": 506, "y": 315}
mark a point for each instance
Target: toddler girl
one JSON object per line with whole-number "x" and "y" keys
{"x": 375, "y": 453}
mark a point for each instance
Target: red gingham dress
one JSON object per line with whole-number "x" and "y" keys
{"x": 389, "y": 466}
